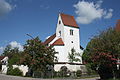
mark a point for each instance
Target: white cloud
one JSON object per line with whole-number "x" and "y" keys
{"x": 44, "y": 6}
{"x": 1, "y": 50}
{"x": 5, "y": 7}
{"x": 89, "y": 11}
{"x": 14, "y": 44}
{"x": 109, "y": 14}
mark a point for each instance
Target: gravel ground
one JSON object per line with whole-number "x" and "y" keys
{"x": 6, "y": 77}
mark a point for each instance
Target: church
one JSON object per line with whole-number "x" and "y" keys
{"x": 63, "y": 40}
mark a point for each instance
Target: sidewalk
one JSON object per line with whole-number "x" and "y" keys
{"x": 7, "y": 77}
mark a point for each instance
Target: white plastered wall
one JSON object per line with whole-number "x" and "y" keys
{"x": 68, "y": 39}
{"x": 60, "y": 55}
{"x": 60, "y": 27}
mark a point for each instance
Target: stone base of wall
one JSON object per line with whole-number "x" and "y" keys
{"x": 70, "y": 66}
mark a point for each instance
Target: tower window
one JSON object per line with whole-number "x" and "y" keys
{"x": 60, "y": 33}
{"x": 71, "y": 32}
{"x": 59, "y": 22}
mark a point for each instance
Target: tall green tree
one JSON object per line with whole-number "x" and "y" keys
{"x": 37, "y": 55}
{"x": 13, "y": 55}
{"x": 102, "y": 53}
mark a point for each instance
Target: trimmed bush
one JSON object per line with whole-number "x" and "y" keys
{"x": 15, "y": 71}
{"x": 78, "y": 73}
{"x": 38, "y": 74}
{"x": 64, "y": 71}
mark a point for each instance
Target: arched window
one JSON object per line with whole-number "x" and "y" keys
{"x": 59, "y": 22}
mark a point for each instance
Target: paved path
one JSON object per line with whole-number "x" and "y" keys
{"x": 6, "y": 77}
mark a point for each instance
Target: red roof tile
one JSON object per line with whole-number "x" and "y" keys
{"x": 47, "y": 41}
{"x": 58, "y": 42}
{"x": 117, "y": 28}
{"x": 69, "y": 20}
{"x": 2, "y": 57}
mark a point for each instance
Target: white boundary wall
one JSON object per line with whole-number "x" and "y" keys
{"x": 70, "y": 67}
{"x": 23, "y": 68}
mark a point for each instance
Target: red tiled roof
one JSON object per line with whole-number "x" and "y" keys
{"x": 47, "y": 41}
{"x": 2, "y": 57}
{"x": 69, "y": 20}
{"x": 58, "y": 42}
{"x": 117, "y": 28}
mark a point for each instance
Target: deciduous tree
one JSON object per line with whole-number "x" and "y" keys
{"x": 102, "y": 53}
{"x": 37, "y": 55}
{"x": 13, "y": 55}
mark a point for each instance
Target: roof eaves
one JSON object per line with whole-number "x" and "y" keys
{"x": 58, "y": 42}
{"x": 47, "y": 41}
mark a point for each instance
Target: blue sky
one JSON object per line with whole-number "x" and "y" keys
{"x": 39, "y": 18}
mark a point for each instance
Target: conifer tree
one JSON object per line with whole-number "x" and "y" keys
{"x": 73, "y": 56}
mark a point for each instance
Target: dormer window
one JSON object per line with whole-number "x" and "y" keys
{"x": 59, "y": 22}
{"x": 71, "y": 32}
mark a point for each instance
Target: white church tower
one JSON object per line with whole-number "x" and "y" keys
{"x": 66, "y": 37}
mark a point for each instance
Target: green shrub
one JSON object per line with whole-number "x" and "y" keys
{"x": 38, "y": 74}
{"x": 56, "y": 74}
{"x": 15, "y": 71}
{"x": 89, "y": 70}
{"x": 64, "y": 71}
{"x": 78, "y": 73}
